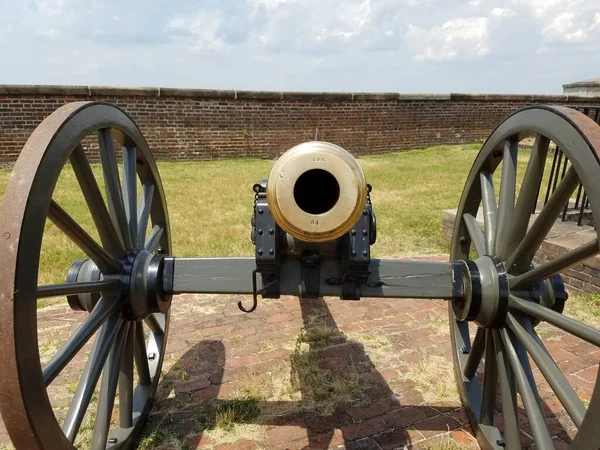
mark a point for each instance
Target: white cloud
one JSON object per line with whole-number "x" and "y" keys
{"x": 312, "y": 26}
{"x": 268, "y": 4}
{"x": 457, "y": 38}
{"x": 542, "y": 7}
{"x": 500, "y": 12}
{"x": 52, "y": 33}
{"x": 567, "y": 21}
{"x": 568, "y": 27}
{"x": 399, "y": 45}
{"x": 53, "y": 7}
{"x": 204, "y": 27}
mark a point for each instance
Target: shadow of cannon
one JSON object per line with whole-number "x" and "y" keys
{"x": 341, "y": 399}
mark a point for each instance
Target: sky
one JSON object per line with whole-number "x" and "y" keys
{"x": 410, "y": 46}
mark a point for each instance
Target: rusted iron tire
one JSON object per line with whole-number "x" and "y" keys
{"x": 495, "y": 340}
{"x": 120, "y": 336}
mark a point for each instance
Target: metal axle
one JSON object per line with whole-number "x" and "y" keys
{"x": 389, "y": 278}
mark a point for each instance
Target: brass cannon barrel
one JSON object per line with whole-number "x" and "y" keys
{"x": 316, "y": 191}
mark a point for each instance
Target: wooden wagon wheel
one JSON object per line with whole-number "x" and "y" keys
{"x": 503, "y": 325}
{"x": 123, "y": 306}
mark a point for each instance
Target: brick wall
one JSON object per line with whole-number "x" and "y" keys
{"x": 195, "y": 124}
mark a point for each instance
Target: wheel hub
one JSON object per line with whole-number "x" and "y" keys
{"x": 83, "y": 270}
{"x": 486, "y": 301}
{"x": 144, "y": 276}
{"x": 141, "y": 281}
{"x": 487, "y": 293}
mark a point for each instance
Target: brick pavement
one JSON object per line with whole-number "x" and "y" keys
{"x": 318, "y": 374}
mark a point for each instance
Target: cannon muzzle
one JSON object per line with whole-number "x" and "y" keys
{"x": 316, "y": 191}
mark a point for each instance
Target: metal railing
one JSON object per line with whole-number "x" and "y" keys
{"x": 577, "y": 210}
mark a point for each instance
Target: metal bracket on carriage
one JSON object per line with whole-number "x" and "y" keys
{"x": 265, "y": 237}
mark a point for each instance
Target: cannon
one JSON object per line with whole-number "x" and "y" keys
{"x": 312, "y": 225}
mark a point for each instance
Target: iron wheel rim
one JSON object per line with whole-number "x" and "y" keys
{"x": 27, "y": 411}
{"x": 579, "y": 138}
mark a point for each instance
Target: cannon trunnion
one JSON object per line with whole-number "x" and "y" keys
{"x": 313, "y": 226}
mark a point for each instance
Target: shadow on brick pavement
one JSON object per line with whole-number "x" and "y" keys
{"x": 213, "y": 349}
{"x": 393, "y": 417}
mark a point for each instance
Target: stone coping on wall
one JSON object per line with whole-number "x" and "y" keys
{"x": 95, "y": 91}
{"x": 593, "y": 82}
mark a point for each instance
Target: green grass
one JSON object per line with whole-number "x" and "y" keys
{"x": 447, "y": 444}
{"x": 153, "y": 439}
{"x": 210, "y": 204}
{"x": 584, "y": 308}
{"x": 236, "y": 411}
{"x": 318, "y": 335}
{"x": 323, "y": 390}
{"x": 434, "y": 379}
{"x": 410, "y": 190}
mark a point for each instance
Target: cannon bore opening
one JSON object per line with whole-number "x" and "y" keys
{"x": 316, "y": 191}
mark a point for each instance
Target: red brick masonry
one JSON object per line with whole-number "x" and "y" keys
{"x": 197, "y": 124}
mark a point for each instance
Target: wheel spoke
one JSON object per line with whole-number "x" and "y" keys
{"x": 126, "y": 383}
{"x": 154, "y": 238}
{"x": 114, "y": 195}
{"x": 108, "y": 390}
{"x": 109, "y": 236}
{"x": 507, "y": 395}
{"x": 549, "y": 369}
{"x": 130, "y": 190}
{"x": 565, "y": 323}
{"x": 542, "y": 225}
{"x": 91, "y": 373}
{"x": 506, "y": 203}
{"x": 104, "y": 308}
{"x": 490, "y": 210}
{"x": 525, "y": 365}
{"x": 490, "y": 382}
{"x": 556, "y": 265}
{"x": 141, "y": 356}
{"x": 541, "y": 435}
{"x": 144, "y": 211}
{"x": 475, "y": 354}
{"x": 475, "y": 233}
{"x": 528, "y": 193}
{"x": 56, "y": 290}
{"x": 153, "y": 324}
{"x": 84, "y": 241}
